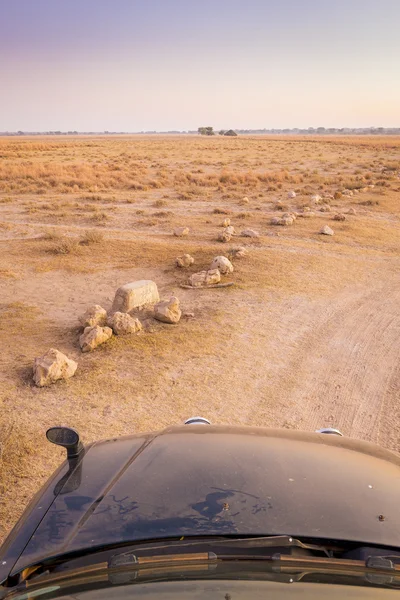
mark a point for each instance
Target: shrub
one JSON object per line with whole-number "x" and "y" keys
{"x": 92, "y": 236}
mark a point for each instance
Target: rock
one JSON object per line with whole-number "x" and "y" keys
{"x": 250, "y": 233}
{"x": 188, "y": 315}
{"x": 347, "y": 193}
{"x": 168, "y": 311}
{"x": 326, "y": 230}
{"x": 135, "y": 294}
{"x": 230, "y": 230}
{"x": 339, "y": 217}
{"x": 292, "y": 215}
{"x": 371, "y": 186}
{"x": 95, "y": 315}
{"x": 275, "y": 221}
{"x": 226, "y": 223}
{"x": 181, "y": 231}
{"x": 51, "y": 367}
{"x": 244, "y": 200}
{"x": 306, "y": 209}
{"x": 223, "y": 265}
{"x": 184, "y": 261}
{"x": 351, "y": 211}
{"x": 291, "y": 194}
{"x": 239, "y": 252}
{"x": 122, "y": 323}
{"x": 204, "y": 278}
{"x": 93, "y": 337}
{"x": 307, "y": 215}
{"x": 316, "y": 198}
{"x": 224, "y": 237}
{"x": 285, "y": 221}
{"x": 337, "y": 195}
{"x": 364, "y": 189}
{"x": 325, "y": 208}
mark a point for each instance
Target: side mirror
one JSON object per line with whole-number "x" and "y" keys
{"x": 66, "y": 437}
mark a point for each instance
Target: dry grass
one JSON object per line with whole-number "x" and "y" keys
{"x": 97, "y": 201}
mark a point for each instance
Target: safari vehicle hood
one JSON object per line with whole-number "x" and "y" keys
{"x": 204, "y": 480}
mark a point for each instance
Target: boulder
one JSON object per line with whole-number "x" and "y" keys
{"x": 339, "y": 217}
{"x": 184, "y": 261}
{"x": 286, "y": 220}
{"x": 122, "y": 324}
{"x": 224, "y": 237}
{"x": 250, "y": 233}
{"x": 230, "y": 230}
{"x": 93, "y": 337}
{"x": 291, "y": 194}
{"x": 223, "y": 265}
{"x": 181, "y": 231}
{"x": 326, "y": 230}
{"x": 135, "y": 294}
{"x": 275, "y": 221}
{"x": 51, "y": 367}
{"x": 204, "y": 278}
{"x": 239, "y": 252}
{"x": 226, "y": 223}
{"x": 168, "y": 311}
{"x": 95, "y": 315}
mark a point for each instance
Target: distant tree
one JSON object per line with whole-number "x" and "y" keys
{"x": 205, "y": 131}
{"x": 230, "y": 132}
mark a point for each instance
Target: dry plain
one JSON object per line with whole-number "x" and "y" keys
{"x": 307, "y": 337}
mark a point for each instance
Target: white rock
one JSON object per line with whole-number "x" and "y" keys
{"x": 226, "y": 223}
{"x": 204, "y": 278}
{"x": 275, "y": 221}
{"x": 184, "y": 261}
{"x": 181, "y": 231}
{"x": 339, "y": 217}
{"x": 250, "y": 233}
{"x": 239, "y": 252}
{"x": 224, "y": 237}
{"x": 316, "y": 198}
{"x": 51, "y": 367}
{"x": 135, "y": 294}
{"x": 244, "y": 200}
{"x": 326, "y": 230}
{"x": 122, "y": 323}
{"x": 168, "y": 311}
{"x": 230, "y": 230}
{"x": 285, "y": 221}
{"x": 95, "y": 315}
{"x": 93, "y": 337}
{"x": 291, "y": 194}
{"x": 223, "y": 265}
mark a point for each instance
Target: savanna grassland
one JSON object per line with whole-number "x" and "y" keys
{"x": 307, "y": 337}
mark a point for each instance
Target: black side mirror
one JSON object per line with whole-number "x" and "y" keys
{"x": 66, "y": 437}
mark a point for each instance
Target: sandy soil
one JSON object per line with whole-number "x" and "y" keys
{"x": 307, "y": 338}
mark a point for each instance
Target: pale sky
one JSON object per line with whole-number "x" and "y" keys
{"x": 133, "y": 65}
